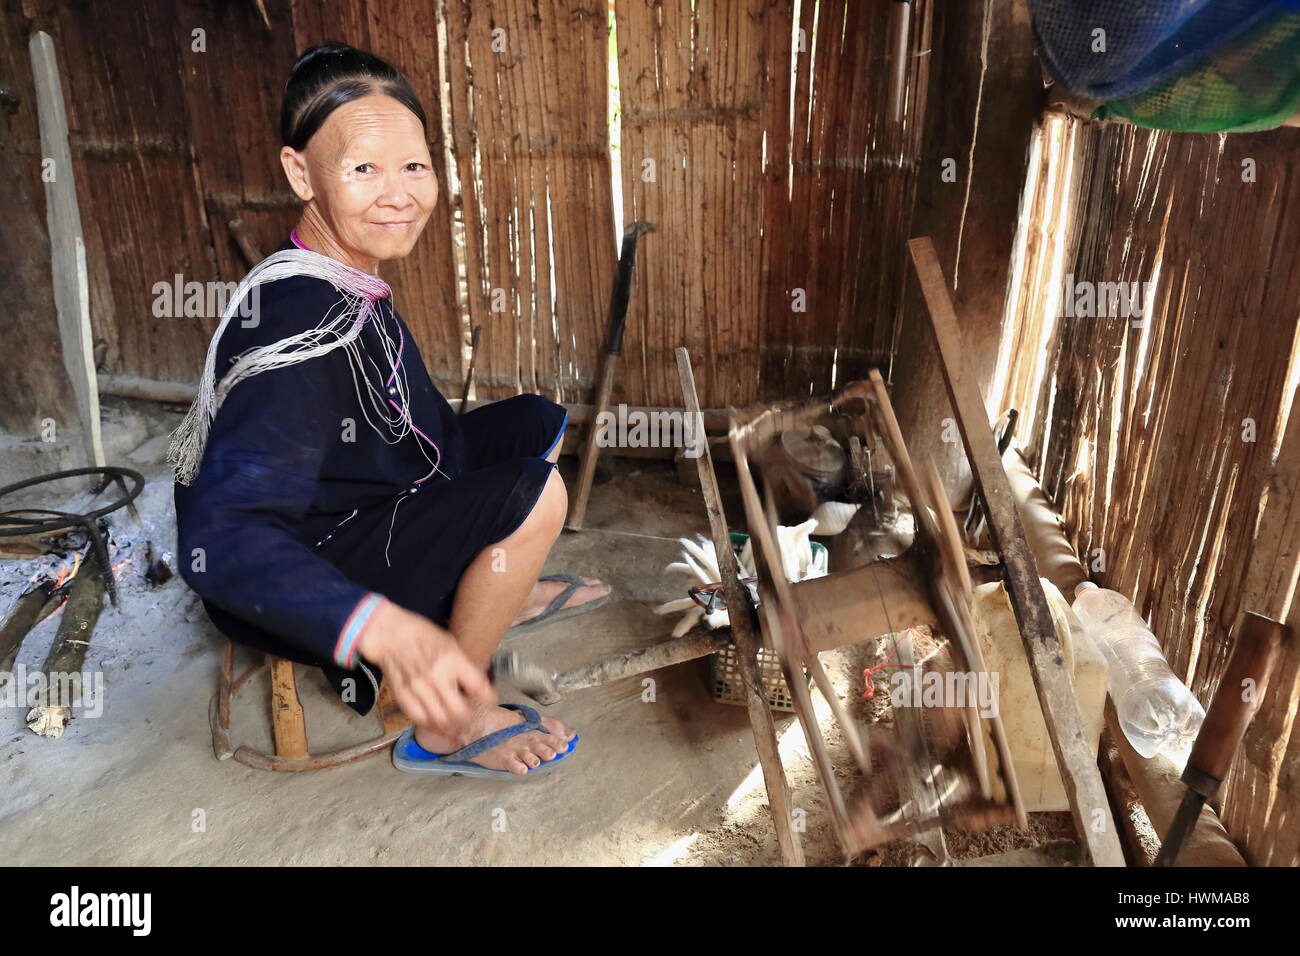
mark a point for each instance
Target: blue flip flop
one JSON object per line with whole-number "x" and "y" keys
{"x": 556, "y": 611}
{"x": 410, "y": 757}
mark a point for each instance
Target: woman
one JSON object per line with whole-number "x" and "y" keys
{"x": 331, "y": 507}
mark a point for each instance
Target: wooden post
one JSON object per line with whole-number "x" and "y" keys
{"x": 1083, "y": 786}
{"x": 742, "y": 634}
{"x": 67, "y": 248}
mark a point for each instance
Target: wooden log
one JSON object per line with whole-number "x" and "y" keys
{"x": 67, "y": 245}
{"x": 694, "y": 644}
{"x": 21, "y": 547}
{"x": 63, "y": 665}
{"x": 21, "y": 619}
{"x": 716, "y": 420}
{"x": 132, "y": 386}
{"x": 1083, "y": 786}
{"x": 746, "y": 641}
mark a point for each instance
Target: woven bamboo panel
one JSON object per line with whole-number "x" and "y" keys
{"x": 780, "y": 185}
{"x": 529, "y": 102}
{"x": 1168, "y": 442}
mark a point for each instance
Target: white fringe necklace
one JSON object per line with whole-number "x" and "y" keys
{"x": 341, "y": 328}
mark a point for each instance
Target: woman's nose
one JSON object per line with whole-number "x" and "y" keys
{"x": 396, "y": 193}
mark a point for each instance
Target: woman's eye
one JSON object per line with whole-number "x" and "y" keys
{"x": 414, "y": 167}
{"x": 364, "y": 168}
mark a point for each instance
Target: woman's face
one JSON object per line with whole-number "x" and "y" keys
{"x": 368, "y": 174}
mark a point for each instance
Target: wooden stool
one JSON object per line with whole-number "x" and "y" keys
{"x": 289, "y": 723}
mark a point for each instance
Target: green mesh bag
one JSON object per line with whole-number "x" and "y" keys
{"x": 1250, "y": 83}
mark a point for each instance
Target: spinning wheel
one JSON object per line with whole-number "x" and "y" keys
{"x": 929, "y": 585}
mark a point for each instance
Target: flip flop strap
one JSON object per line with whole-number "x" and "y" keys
{"x": 532, "y": 721}
{"x": 563, "y": 597}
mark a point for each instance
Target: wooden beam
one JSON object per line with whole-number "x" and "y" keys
{"x": 716, "y": 420}
{"x": 1083, "y": 785}
{"x": 743, "y": 636}
{"x": 67, "y": 247}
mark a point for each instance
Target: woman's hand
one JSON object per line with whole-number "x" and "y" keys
{"x": 432, "y": 679}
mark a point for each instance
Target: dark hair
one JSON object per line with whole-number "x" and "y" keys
{"x": 329, "y": 75}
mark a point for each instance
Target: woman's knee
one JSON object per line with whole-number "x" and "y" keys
{"x": 551, "y": 507}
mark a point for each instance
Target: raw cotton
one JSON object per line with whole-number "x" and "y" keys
{"x": 700, "y": 560}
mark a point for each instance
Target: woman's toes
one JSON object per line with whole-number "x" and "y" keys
{"x": 544, "y": 748}
{"x": 557, "y": 729}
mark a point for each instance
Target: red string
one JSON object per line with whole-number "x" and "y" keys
{"x": 869, "y": 673}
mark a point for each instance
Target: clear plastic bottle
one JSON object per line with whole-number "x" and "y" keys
{"x": 1156, "y": 711}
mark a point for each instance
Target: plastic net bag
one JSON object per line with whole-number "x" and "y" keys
{"x": 1252, "y": 83}
{"x": 1113, "y": 49}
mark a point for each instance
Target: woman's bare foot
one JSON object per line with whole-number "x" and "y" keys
{"x": 544, "y": 592}
{"x": 518, "y": 754}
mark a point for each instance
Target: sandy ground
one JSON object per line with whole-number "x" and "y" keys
{"x": 663, "y": 774}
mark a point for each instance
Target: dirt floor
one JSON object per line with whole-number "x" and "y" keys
{"x": 663, "y": 775}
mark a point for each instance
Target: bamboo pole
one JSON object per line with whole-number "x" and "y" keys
{"x": 743, "y": 636}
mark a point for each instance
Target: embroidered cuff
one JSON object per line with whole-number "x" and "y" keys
{"x": 345, "y": 650}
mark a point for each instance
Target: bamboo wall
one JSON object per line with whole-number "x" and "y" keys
{"x": 1170, "y": 447}
{"x": 777, "y": 168}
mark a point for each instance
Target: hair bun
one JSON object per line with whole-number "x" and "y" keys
{"x": 330, "y": 74}
{"x": 317, "y": 52}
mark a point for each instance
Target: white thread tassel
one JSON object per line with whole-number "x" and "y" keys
{"x": 339, "y": 330}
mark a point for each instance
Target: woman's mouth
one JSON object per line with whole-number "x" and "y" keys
{"x": 393, "y": 225}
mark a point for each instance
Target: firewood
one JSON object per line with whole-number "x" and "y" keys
{"x": 63, "y": 665}
{"x": 22, "y": 618}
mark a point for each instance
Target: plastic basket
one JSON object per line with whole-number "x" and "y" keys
{"x": 724, "y": 665}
